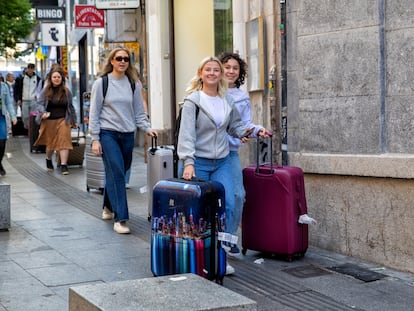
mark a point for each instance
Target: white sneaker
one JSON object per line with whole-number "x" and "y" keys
{"x": 106, "y": 214}
{"x": 121, "y": 228}
{"x": 229, "y": 270}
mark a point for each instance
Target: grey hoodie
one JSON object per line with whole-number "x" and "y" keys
{"x": 201, "y": 137}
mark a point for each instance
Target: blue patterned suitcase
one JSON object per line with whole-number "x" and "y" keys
{"x": 187, "y": 219}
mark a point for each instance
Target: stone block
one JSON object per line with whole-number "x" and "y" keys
{"x": 174, "y": 292}
{"x": 4, "y": 207}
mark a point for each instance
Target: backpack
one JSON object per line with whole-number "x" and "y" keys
{"x": 176, "y": 134}
{"x": 105, "y": 85}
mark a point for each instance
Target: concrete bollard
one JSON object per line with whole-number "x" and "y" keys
{"x": 185, "y": 292}
{"x": 4, "y": 207}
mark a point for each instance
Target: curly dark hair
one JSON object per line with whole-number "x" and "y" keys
{"x": 224, "y": 58}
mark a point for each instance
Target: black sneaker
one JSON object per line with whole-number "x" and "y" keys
{"x": 64, "y": 169}
{"x": 2, "y": 170}
{"x": 49, "y": 165}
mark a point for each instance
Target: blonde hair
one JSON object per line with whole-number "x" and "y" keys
{"x": 196, "y": 83}
{"x": 131, "y": 71}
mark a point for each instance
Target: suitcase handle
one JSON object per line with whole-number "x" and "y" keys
{"x": 77, "y": 139}
{"x": 271, "y": 171}
{"x": 154, "y": 145}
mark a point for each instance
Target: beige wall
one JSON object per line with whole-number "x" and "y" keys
{"x": 194, "y": 39}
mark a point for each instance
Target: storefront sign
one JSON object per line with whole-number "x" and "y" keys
{"x": 88, "y": 16}
{"x": 116, "y": 4}
{"x": 44, "y": 13}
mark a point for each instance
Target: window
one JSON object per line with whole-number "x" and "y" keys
{"x": 223, "y": 26}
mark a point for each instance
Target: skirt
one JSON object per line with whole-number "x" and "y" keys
{"x": 55, "y": 134}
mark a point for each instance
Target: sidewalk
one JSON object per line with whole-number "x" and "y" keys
{"x": 58, "y": 240}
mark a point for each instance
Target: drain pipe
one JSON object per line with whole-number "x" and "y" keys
{"x": 382, "y": 73}
{"x": 283, "y": 58}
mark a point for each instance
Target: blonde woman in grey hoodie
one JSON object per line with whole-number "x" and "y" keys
{"x": 203, "y": 146}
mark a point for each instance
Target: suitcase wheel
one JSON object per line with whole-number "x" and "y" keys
{"x": 244, "y": 251}
{"x": 87, "y": 188}
{"x": 149, "y": 218}
{"x": 101, "y": 190}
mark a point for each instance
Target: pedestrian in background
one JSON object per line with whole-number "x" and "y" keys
{"x": 26, "y": 92}
{"x": 113, "y": 121}
{"x": 203, "y": 146}
{"x": 235, "y": 71}
{"x": 6, "y": 107}
{"x": 10, "y": 81}
{"x": 56, "y": 117}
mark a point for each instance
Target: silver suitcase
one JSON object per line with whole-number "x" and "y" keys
{"x": 95, "y": 170}
{"x": 160, "y": 166}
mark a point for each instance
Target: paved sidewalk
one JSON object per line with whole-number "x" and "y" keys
{"x": 58, "y": 240}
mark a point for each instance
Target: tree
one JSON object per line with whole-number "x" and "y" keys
{"x": 16, "y": 22}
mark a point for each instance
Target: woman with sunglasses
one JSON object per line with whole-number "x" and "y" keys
{"x": 113, "y": 120}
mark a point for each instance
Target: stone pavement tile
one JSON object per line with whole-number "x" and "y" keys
{"x": 25, "y": 212}
{"x": 10, "y": 271}
{"x": 77, "y": 245}
{"x": 30, "y": 194}
{"x": 393, "y": 294}
{"x": 39, "y": 259}
{"x": 29, "y": 286}
{"x": 42, "y": 224}
{"x": 51, "y": 302}
{"x": 108, "y": 235}
{"x": 63, "y": 275}
{"x": 20, "y": 242}
{"x": 63, "y": 290}
{"x": 132, "y": 268}
{"x": 103, "y": 256}
{"x": 29, "y": 294}
{"x": 51, "y": 206}
{"x": 82, "y": 222}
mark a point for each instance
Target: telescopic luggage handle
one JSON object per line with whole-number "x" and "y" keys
{"x": 257, "y": 153}
{"x": 153, "y": 145}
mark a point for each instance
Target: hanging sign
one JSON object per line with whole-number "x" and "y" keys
{"x": 53, "y": 34}
{"x": 88, "y": 16}
{"x": 116, "y": 4}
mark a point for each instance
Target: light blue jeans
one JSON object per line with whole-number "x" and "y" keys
{"x": 217, "y": 170}
{"x": 239, "y": 192}
{"x": 117, "y": 151}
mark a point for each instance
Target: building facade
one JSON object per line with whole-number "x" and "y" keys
{"x": 332, "y": 80}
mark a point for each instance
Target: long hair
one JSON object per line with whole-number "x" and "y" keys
{"x": 50, "y": 89}
{"x": 196, "y": 83}
{"x": 225, "y": 57}
{"x": 131, "y": 71}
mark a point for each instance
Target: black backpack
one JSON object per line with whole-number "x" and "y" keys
{"x": 176, "y": 134}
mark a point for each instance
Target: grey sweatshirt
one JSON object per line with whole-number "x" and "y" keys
{"x": 122, "y": 111}
{"x": 202, "y": 137}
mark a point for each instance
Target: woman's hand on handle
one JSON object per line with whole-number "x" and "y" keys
{"x": 188, "y": 172}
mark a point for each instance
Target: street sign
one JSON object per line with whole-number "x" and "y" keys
{"x": 53, "y": 34}
{"x": 88, "y": 16}
{"x": 50, "y": 13}
{"x": 116, "y": 4}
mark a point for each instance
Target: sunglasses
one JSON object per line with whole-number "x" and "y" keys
{"x": 120, "y": 59}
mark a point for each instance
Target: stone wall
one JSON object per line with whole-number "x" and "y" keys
{"x": 350, "y": 123}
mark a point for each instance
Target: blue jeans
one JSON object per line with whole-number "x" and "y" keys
{"x": 239, "y": 192}
{"x": 117, "y": 151}
{"x": 217, "y": 170}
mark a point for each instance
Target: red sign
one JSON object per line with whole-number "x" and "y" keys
{"x": 88, "y": 16}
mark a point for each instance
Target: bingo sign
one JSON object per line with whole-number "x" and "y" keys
{"x": 88, "y": 16}
{"x": 116, "y": 4}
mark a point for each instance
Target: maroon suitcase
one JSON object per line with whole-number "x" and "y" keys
{"x": 275, "y": 199}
